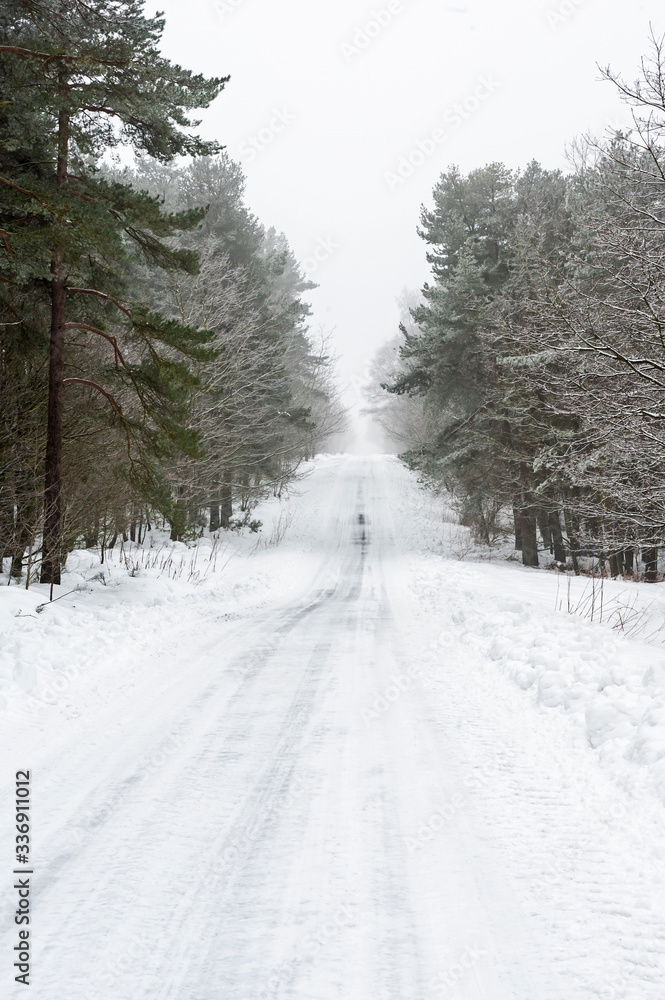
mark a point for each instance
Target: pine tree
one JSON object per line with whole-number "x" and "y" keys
{"x": 451, "y": 357}
{"x": 85, "y": 78}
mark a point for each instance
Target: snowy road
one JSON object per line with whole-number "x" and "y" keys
{"x": 326, "y": 798}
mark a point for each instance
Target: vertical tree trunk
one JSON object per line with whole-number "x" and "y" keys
{"x": 227, "y": 500}
{"x": 572, "y": 541}
{"x": 214, "y": 517}
{"x": 179, "y": 519}
{"x": 28, "y": 571}
{"x": 529, "y": 537}
{"x": 518, "y": 529}
{"x": 25, "y": 527}
{"x": 52, "y": 544}
{"x": 543, "y": 519}
{"x": 245, "y": 495}
{"x": 16, "y": 570}
{"x": 527, "y": 519}
{"x": 618, "y": 555}
{"x": 629, "y": 561}
{"x": 558, "y": 545}
{"x": 650, "y": 560}
{"x": 52, "y": 540}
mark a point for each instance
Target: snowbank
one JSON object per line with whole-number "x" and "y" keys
{"x": 606, "y": 672}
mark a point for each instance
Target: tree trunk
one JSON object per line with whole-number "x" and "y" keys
{"x": 650, "y": 560}
{"x": 558, "y": 544}
{"x": 527, "y": 523}
{"x": 52, "y": 539}
{"x": 572, "y": 541}
{"x": 214, "y": 517}
{"x": 246, "y": 499}
{"x": 227, "y": 500}
{"x": 26, "y": 515}
{"x": 545, "y": 529}
{"x": 629, "y": 561}
{"x": 52, "y": 544}
{"x": 619, "y": 556}
{"x": 16, "y": 570}
{"x": 179, "y": 519}
{"x": 518, "y": 529}
{"x": 28, "y": 571}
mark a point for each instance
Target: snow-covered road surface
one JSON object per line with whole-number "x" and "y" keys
{"x": 337, "y": 795}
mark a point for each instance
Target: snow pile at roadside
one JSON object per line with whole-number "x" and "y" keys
{"x": 536, "y": 627}
{"x": 611, "y": 687}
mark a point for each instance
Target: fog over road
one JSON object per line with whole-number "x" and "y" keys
{"x": 325, "y": 798}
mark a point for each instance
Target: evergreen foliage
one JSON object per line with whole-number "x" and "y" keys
{"x": 154, "y": 352}
{"x": 537, "y": 350}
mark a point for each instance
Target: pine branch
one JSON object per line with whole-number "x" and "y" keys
{"x": 17, "y": 187}
{"x": 100, "y": 295}
{"x": 100, "y": 333}
{"x": 61, "y": 57}
{"x": 93, "y": 385}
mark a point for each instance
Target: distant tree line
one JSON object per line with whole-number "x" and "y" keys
{"x": 155, "y": 356}
{"x": 530, "y": 378}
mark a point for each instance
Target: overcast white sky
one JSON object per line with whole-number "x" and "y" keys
{"x": 334, "y": 111}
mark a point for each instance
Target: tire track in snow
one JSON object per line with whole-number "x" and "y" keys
{"x": 105, "y": 837}
{"x": 554, "y": 897}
